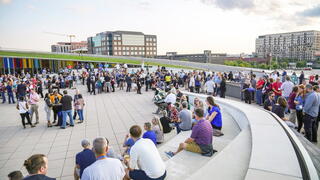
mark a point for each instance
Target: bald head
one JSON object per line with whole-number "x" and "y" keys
{"x": 100, "y": 145}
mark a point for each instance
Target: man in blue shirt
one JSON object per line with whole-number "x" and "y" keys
{"x": 311, "y": 110}
{"x": 149, "y": 134}
{"x": 84, "y": 158}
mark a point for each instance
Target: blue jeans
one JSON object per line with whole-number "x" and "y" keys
{"x": 3, "y": 95}
{"x": 64, "y": 118}
{"x": 259, "y": 96}
{"x": 178, "y": 128}
{"x": 10, "y": 97}
{"x": 80, "y": 113}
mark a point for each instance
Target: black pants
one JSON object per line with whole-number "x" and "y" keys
{"x": 93, "y": 90}
{"x": 191, "y": 88}
{"x": 74, "y": 115}
{"x": 23, "y": 117}
{"x": 139, "y": 90}
{"x": 88, "y": 87}
{"x": 55, "y": 115}
{"x": 112, "y": 86}
{"x": 300, "y": 119}
{"x": 315, "y": 127}
{"x": 222, "y": 93}
{"x": 40, "y": 92}
{"x": 147, "y": 85}
{"x": 247, "y": 97}
{"x": 197, "y": 89}
{"x": 128, "y": 87}
{"x": 309, "y": 122}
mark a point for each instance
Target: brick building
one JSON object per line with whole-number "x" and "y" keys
{"x": 123, "y": 43}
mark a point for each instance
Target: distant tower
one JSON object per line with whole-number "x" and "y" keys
{"x": 207, "y": 55}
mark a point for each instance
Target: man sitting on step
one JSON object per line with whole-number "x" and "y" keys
{"x": 200, "y": 140}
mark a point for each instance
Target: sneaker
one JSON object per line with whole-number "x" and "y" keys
{"x": 62, "y": 128}
{"x": 170, "y": 154}
{"x": 33, "y": 126}
{"x": 71, "y": 125}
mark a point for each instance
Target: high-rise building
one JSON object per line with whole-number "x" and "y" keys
{"x": 123, "y": 43}
{"x": 67, "y": 47}
{"x": 301, "y": 45}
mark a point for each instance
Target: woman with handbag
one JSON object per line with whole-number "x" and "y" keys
{"x": 23, "y": 108}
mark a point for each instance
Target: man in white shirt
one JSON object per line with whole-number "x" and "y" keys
{"x": 210, "y": 85}
{"x": 286, "y": 88}
{"x": 145, "y": 162}
{"x": 103, "y": 168}
{"x": 171, "y": 98}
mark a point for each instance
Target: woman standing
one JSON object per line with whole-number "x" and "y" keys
{"x": 292, "y": 105}
{"x": 47, "y": 108}
{"x": 79, "y": 104}
{"x": 23, "y": 108}
{"x": 214, "y": 116}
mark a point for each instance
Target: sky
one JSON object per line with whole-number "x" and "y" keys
{"x": 184, "y": 26}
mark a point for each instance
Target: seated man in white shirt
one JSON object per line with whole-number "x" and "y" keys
{"x": 170, "y": 99}
{"x": 145, "y": 162}
{"x": 104, "y": 167}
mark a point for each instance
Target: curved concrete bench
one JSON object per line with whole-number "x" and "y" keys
{"x": 274, "y": 153}
{"x": 184, "y": 164}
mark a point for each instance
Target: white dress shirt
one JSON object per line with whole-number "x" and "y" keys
{"x": 145, "y": 156}
{"x": 171, "y": 98}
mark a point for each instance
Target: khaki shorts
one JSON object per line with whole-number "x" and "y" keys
{"x": 193, "y": 147}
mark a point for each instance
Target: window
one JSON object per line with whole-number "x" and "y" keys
{"x": 115, "y": 53}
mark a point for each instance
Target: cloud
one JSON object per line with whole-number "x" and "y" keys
{"x": 6, "y": 1}
{"x": 81, "y": 9}
{"x": 311, "y": 12}
{"x": 231, "y": 4}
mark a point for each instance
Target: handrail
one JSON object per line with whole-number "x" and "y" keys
{"x": 308, "y": 170}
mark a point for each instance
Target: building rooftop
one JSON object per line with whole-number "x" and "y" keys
{"x": 288, "y": 33}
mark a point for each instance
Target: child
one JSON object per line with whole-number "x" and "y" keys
{"x": 149, "y": 134}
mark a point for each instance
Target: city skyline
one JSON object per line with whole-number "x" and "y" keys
{"x": 185, "y": 26}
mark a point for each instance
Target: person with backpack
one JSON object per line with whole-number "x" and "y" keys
{"x": 23, "y": 108}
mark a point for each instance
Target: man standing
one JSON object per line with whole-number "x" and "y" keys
{"x": 259, "y": 87}
{"x": 310, "y": 109}
{"x": 103, "y": 167}
{"x": 84, "y": 158}
{"x": 66, "y": 102}
{"x": 286, "y": 88}
{"x": 210, "y": 86}
{"x": 276, "y": 88}
{"x": 145, "y": 161}
{"x": 21, "y": 89}
{"x": 10, "y": 92}
{"x": 33, "y": 101}
{"x": 200, "y": 140}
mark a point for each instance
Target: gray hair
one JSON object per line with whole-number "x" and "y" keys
{"x": 99, "y": 145}
{"x": 85, "y": 143}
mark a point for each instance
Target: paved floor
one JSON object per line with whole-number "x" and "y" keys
{"x": 109, "y": 115}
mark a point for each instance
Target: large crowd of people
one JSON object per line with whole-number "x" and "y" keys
{"x": 294, "y": 99}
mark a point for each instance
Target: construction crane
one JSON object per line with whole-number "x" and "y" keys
{"x": 59, "y": 34}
